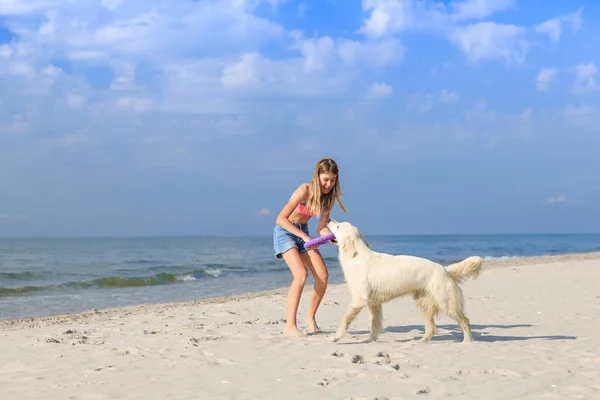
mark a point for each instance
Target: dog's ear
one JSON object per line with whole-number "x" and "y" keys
{"x": 348, "y": 247}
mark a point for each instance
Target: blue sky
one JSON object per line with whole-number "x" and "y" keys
{"x": 201, "y": 117}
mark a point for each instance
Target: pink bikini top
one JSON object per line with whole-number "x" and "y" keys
{"x": 301, "y": 208}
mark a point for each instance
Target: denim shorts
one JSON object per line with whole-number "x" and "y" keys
{"x": 283, "y": 240}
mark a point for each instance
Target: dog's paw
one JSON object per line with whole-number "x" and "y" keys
{"x": 372, "y": 338}
{"x": 337, "y": 336}
{"x": 424, "y": 339}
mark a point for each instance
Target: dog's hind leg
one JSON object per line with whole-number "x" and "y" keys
{"x": 375, "y": 320}
{"x": 353, "y": 310}
{"x": 460, "y": 317}
{"x": 427, "y": 310}
{"x": 456, "y": 311}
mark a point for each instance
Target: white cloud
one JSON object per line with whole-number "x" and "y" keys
{"x": 490, "y": 41}
{"x": 386, "y": 17}
{"x": 263, "y": 212}
{"x": 317, "y": 52}
{"x": 167, "y": 57}
{"x": 582, "y": 116}
{"x": 111, "y": 4}
{"x": 124, "y": 75}
{"x": 242, "y": 72}
{"x": 561, "y": 199}
{"x": 585, "y": 77}
{"x": 6, "y": 51}
{"x": 149, "y": 30}
{"x": 19, "y": 7}
{"x": 447, "y": 97}
{"x": 544, "y": 78}
{"x": 134, "y": 103}
{"x": 478, "y": 9}
{"x": 421, "y": 102}
{"x": 572, "y": 111}
{"x": 325, "y": 53}
{"x": 372, "y": 54}
{"x": 389, "y": 17}
{"x": 75, "y": 101}
{"x": 425, "y": 102}
{"x": 322, "y": 65}
{"x": 378, "y": 90}
{"x": 553, "y": 27}
{"x": 484, "y": 40}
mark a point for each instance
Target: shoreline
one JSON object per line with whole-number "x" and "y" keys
{"x": 161, "y": 307}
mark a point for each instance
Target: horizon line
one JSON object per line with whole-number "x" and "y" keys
{"x": 199, "y": 235}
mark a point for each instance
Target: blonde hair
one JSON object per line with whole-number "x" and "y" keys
{"x": 318, "y": 202}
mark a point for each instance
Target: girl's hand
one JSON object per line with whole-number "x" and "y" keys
{"x": 306, "y": 239}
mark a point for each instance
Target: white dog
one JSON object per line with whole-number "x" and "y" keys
{"x": 375, "y": 278}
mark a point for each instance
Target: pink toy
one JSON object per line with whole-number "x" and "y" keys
{"x": 319, "y": 240}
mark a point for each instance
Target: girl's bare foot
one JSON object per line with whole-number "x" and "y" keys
{"x": 293, "y": 331}
{"x": 312, "y": 326}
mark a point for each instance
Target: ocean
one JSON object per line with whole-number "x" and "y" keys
{"x": 42, "y": 277}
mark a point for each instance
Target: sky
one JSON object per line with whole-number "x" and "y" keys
{"x": 202, "y": 117}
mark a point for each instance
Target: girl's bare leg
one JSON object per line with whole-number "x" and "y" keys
{"x": 313, "y": 260}
{"x": 296, "y": 265}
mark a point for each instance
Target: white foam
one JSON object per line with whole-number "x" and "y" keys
{"x": 491, "y": 258}
{"x": 215, "y": 272}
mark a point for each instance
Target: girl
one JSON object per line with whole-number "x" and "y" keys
{"x": 291, "y": 232}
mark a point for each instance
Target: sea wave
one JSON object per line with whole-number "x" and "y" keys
{"x": 495, "y": 258}
{"x": 21, "y": 276}
{"x": 116, "y": 282}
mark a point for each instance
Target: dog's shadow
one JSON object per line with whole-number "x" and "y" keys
{"x": 454, "y": 333}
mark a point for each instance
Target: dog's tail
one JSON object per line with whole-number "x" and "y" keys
{"x": 467, "y": 268}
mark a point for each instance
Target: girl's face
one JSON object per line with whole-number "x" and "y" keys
{"x": 327, "y": 181}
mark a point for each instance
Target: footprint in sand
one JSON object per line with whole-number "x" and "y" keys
{"x": 357, "y": 359}
{"x": 325, "y": 382}
{"x": 269, "y": 322}
{"x": 385, "y": 358}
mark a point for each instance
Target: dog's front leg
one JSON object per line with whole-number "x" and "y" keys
{"x": 353, "y": 310}
{"x": 375, "y": 321}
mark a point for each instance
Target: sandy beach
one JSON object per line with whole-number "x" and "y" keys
{"x": 536, "y": 331}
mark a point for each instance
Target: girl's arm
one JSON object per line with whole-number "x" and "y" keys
{"x": 288, "y": 209}
{"x": 322, "y": 226}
